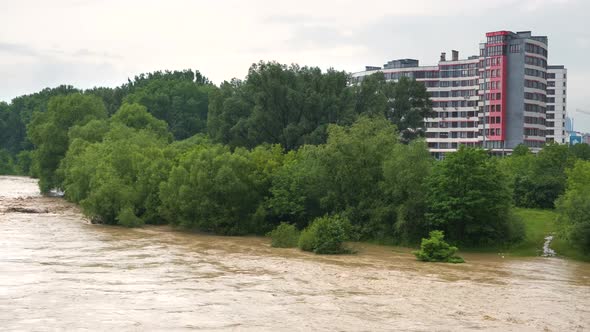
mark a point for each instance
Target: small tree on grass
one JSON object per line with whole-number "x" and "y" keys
{"x": 435, "y": 249}
{"x": 284, "y": 236}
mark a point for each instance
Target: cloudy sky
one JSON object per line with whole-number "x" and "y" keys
{"x": 89, "y": 43}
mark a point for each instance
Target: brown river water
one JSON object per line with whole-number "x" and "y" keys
{"x": 59, "y": 272}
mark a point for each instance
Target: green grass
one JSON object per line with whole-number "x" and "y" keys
{"x": 564, "y": 249}
{"x": 539, "y": 224}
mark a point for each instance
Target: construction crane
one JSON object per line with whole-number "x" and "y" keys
{"x": 582, "y": 111}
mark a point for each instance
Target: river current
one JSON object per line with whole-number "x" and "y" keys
{"x": 59, "y": 272}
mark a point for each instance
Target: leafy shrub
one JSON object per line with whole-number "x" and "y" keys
{"x": 516, "y": 229}
{"x": 284, "y": 236}
{"x": 574, "y": 207}
{"x": 307, "y": 239}
{"x": 435, "y": 249}
{"x": 325, "y": 235}
{"x": 128, "y": 218}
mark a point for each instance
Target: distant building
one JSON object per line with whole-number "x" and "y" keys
{"x": 569, "y": 124}
{"x": 453, "y": 86}
{"x": 496, "y": 100}
{"x": 557, "y": 127}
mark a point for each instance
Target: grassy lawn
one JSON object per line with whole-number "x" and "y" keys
{"x": 564, "y": 249}
{"x": 538, "y": 224}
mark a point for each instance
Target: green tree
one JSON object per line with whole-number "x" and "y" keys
{"x": 5, "y": 126}
{"x": 118, "y": 175}
{"x": 518, "y": 169}
{"x": 21, "y": 113}
{"x": 363, "y": 173}
{"x": 136, "y": 116}
{"x": 353, "y": 159}
{"x": 542, "y": 179}
{"x": 298, "y": 187}
{"x": 279, "y": 104}
{"x": 580, "y": 151}
{"x": 229, "y": 109}
{"x": 469, "y": 198}
{"x": 24, "y": 161}
{"x": 111, "y": 97}
{"x": 405, "y": 187}
{"x": 406, "y": 103}
{"x": 6, "y": 163}
{"x": 409, "y": 104}
{"x": 284, "y": 236}
{"x": 574, "y": 207}
{"x": 215, "y": 190}
{"x": 521, "y": 150}
{"x": 178, "y": 98}
{"x": 114, "y": 168}
{"x": 49, "y": 132}
{"x": 371, "y": 96}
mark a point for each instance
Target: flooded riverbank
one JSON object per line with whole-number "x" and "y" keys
{"x": 57, "y": 271}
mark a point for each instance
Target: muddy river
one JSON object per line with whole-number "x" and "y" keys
{"x": 58, "y": 272}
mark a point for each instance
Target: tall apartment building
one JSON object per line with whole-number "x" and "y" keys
{"x": 453, "y": 86}
{"x": 557, "y": 130}
{"x": 513, "y": 89}
{"x": 496, "y": 99}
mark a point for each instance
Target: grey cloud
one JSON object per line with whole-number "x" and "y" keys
{"x": 290, "y": 19}
{"x": 318, "y": 37}
{"x": 17, "y": 49}
{"x": 88, "y": 53}
{"x": 47, "y": 70}
{"x": 25, "y": 50}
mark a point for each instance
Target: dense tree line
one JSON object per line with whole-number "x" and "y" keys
{"x": 538, "y": 180}
{"x": 287, "y": 144}
{"x": 180, "y": 98}
{"x": 127, "y": 170}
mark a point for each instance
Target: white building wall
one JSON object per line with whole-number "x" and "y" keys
{"x": 453, "y": 89}
{"x": 556, "y": 104}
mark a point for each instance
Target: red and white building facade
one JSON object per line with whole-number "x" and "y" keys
{"x": 496, "y": 100}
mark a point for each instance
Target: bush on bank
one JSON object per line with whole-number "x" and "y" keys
{"x": 435, "y": 249}
{"x": 128, "y": 218}
{"x": 284, "y": 236}
{"x": 326, "y": 235}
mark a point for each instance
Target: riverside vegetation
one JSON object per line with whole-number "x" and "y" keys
{"x": 289, "y": 147}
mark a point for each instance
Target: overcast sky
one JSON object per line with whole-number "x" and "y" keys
{"x": 89, "y": 43}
